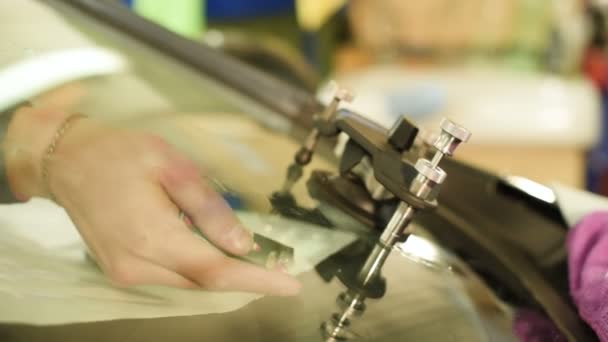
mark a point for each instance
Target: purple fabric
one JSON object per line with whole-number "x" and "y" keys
{"x": 533, "y": 326}
{"x": 588, "y": 271}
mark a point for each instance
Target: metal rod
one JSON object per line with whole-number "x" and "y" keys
{"x": 397, "y": 224}
{"x": 436, "y": 159}
{"x": 373, "y": 264}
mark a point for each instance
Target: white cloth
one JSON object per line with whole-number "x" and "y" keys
{"x": 43, "y": 266}
{"x": 574, "y": 203}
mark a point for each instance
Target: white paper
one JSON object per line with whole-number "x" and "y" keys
{"x": 45, "y": 277}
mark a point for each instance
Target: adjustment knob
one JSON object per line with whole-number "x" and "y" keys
{"x": 339, "y": 93}
{"x": 343, "y": 94}
{"x": 451, "y": 136}
{"x": 455, "y": 130}
{"x": 430, "y": 172}
{"x": 402, "y": 135}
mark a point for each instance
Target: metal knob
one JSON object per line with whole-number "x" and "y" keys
{"x": 341, "y": 94}
{"x": 451, "y": 136}
{"x": 426, "y": 184}
{"x": 324, "y": 120}
{"x": 430, "y": 172}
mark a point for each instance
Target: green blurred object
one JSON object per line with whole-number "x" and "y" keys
{"x": 184, "y": 17}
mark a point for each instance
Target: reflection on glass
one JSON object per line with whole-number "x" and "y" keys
{"x": 245, "y": 152}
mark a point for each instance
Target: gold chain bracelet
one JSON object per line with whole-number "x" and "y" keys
{"x": 52, "y": 147}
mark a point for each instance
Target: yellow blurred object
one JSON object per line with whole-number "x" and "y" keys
{"x": 448, "y": 27}
{"x": 312, "y": 14}
{"x": 437, "y": 25}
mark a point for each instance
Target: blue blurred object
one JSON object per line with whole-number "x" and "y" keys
{"x": 310, "y": 48}
{"x": 242, "y": 9}
{"x": 418, "y": 101}
{"x": 234, "y": 200}
{"x": 597, "y": 170}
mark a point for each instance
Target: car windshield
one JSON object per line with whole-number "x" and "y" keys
{"x": 244, "y": 148}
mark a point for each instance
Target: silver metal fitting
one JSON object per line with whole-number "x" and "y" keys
{"x": 341, "y": 94}
{"x": 451, "y": 136}
{"x": 433, "y": 173}
{"x": 354, "y": 304}
{"x": 455, "y": 130}
{"x": 428, "y": 179}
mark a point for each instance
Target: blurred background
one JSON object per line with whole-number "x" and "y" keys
{"x": 529, "y": 78}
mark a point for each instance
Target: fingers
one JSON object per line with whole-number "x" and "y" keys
{"x": 210, "y": 269}
{"x": 235, "y": 275}
{"x": 178, "y": 249}
{"x": 158, "y": 247}
{"x": 207, "y": 209}
{"x": 133, "y": 272}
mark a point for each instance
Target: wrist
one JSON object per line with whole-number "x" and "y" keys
{"x": 29, "y": 134}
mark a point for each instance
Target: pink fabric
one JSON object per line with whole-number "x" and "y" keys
{"x": 588, "y": 271}
{"x": 533, "y": 326}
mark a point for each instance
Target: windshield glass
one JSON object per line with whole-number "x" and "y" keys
{"x": 242, "y": 150}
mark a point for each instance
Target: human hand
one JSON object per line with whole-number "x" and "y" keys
{"x": 124, "y": 190}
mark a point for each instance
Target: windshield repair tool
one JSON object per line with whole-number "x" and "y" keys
{"x": 394, "y": 159}
{"x": 418, "y": 192}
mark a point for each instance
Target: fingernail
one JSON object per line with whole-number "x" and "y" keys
{"x": 188, "y": 221}
{"x": 241, "y": 238}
